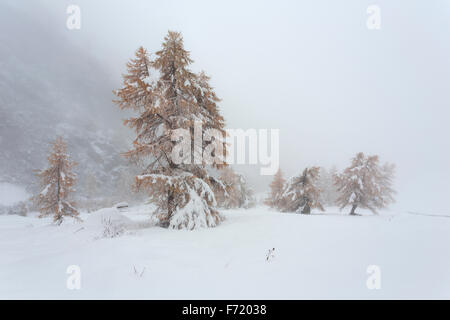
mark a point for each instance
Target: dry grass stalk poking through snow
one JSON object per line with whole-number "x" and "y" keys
{"x": 111, "y": 229}
{"x": 270, "y": 254}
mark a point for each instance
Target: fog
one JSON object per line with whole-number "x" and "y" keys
{"x": 309, "y": 68}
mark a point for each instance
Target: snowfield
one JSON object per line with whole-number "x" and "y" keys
{"x": 317, "y": 256}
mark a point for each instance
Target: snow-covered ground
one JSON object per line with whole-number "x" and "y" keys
{"x": 317, "y": 256}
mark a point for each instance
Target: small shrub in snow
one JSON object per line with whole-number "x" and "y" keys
{"x": 21, "y": 209}
{"x": 111, "y": 228}
{"x": 270, "y": 254}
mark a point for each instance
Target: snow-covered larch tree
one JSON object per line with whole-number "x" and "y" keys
{"x": 276, "y": 190}
{"x": 234, "y": 191}
{"x": 365, "y": 184}
{"x": 301, "y": 193}
{"x": 245, "y": 194}
{"x": 168, "y": 96}
{"x": 57, "y": 182}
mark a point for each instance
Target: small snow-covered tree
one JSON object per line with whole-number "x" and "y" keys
{"x": 245, "y": 193}
{"x": 301, "y": 193}
{"x": 276, "y": 190}
{"x": 168, "y": 96}
{"x": 365, "y": 184}
{"x": 57, "y": 182}
{"x": 233, "y": 191}
{"x": 224, "y": 187}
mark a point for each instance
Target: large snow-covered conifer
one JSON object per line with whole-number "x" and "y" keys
{"x": 57, "y": 182}
{"x": 365, "y": 184}
{"x": 168, "y": 96}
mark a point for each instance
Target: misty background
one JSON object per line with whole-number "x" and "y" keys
{"x": 310, "y": 68}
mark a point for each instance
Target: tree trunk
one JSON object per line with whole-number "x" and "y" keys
{"x": 306, "y": 209}
{"x": 58, "y": 216}
{"x": 169, "y": 204}
{"x": 353, "y": 210}
{"x": 166, "y": 222}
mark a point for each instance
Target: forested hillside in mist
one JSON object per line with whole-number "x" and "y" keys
{"x": 48, "y": 86}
